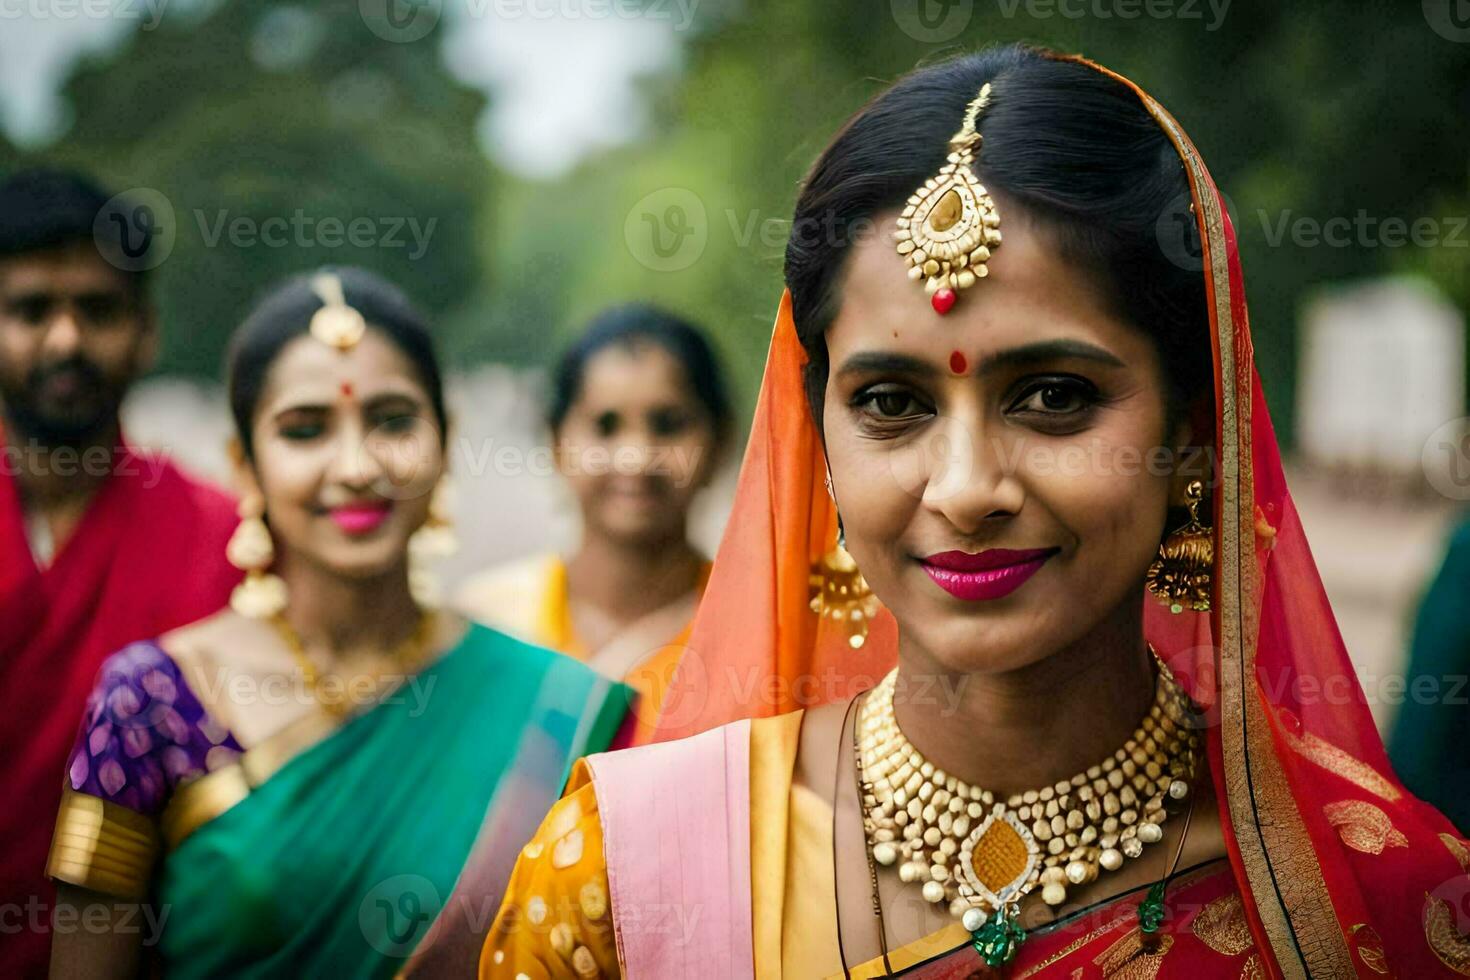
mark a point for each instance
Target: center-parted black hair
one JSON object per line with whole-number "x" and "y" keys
{"x": 285, "y": 313}
{"x": 627, "y": 326}
{"x": 1074, "y": 148}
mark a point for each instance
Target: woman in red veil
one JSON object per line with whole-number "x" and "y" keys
{"x": 1123, "y": 737}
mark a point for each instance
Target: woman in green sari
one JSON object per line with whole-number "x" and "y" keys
{"x": 293, "y": 785}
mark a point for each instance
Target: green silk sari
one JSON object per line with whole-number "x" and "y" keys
{"x": 338, "y": 862}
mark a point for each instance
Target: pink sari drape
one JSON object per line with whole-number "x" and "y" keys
{"x": 676, "y": 834}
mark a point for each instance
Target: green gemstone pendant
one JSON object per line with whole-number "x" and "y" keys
{"x": 1151, "y": 909}
{"x": 1000, "y": 939}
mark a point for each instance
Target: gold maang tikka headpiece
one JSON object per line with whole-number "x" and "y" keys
{"x": 335, "y": 324}
{"x": 950, "y": 225}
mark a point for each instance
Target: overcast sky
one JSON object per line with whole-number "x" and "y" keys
{"x": 563, "y": 72}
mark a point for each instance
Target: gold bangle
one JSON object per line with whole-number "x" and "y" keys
{"x": 102, "y": 846}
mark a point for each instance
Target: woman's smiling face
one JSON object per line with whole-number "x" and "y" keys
{"x": 347, "y": 452}
{"x": 1030, "y": 418}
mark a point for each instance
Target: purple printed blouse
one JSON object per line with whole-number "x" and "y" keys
{"x": 145, "y": 733}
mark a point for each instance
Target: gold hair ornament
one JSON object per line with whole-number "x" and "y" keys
{"x": 950, "y": 225}
{"x": 336, "y": 324}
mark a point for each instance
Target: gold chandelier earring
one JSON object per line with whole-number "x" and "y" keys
{"x": 1180, "y": 576}
{"x": 262, "y": 594}
{"x": 841, "y": 594}
{"x": 436, "y": 539}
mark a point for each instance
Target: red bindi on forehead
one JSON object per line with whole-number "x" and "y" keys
{"x": 957, "y": 363}
{"x": 346, "y": 389}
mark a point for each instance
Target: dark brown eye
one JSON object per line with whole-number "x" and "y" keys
{"x": 889, "y": 403}
{"x": 101, "y": 309}
{"x": 893, "y": 404}
{"x": 1057, "y": 398}
{"x": 301, "y": 431}
{"x": 33, "y": 310}
{"x": 608, "y": 424}
{"x": 668, "y": 421}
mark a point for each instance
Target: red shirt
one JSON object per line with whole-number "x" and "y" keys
{"x": 147, "y": 556}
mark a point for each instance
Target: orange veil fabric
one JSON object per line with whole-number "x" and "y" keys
{"x": 1343, "y": 872}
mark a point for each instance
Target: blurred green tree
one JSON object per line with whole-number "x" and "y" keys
{"x": 283, "y": 137}
{"x": 1305, "y": 113}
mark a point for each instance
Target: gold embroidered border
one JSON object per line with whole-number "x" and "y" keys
{"x": 102, "y": 846}
{"x": 1077, "y": 944}
{"x": 1336, "y": 761}
{"x": 195, "y": 804}
{"x": 1286, "y": 882}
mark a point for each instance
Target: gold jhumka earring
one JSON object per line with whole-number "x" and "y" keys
{"x": 840, "y": 593}
{"x": 949, "y": 226}
{"x": 262, "y": 594}
{"x": 436, "y": 539}
{"x": 1180, "y": 576}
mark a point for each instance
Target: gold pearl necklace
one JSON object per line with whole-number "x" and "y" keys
{"x": 406, "y": 656}
{"x": 982, "y": 854}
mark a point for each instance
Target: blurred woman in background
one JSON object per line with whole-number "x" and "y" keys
{"x": 640, "y": 420}
{"x": 297, "y": 780}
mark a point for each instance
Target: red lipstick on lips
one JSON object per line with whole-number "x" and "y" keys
{"x": 361, "y": 518}
{"x": 991, "y": 574}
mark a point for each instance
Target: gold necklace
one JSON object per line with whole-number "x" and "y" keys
{"x": 984, "y": 855}
{"x": 406, "y": 656}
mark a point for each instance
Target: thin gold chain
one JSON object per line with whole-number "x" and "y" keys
{"x": 407, "y": 655}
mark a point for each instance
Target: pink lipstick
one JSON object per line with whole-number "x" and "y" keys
{"x": 991, "y": 574}
{"x": 361, "y": 518}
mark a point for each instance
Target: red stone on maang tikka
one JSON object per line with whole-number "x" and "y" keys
{"x": 949, "y": 226}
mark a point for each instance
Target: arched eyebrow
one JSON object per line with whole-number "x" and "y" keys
{"x": 888, "y": 362}
{"x": 1049, "y": 350}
